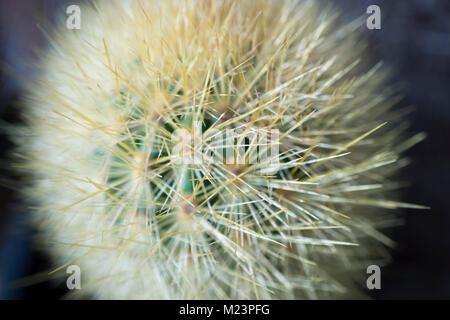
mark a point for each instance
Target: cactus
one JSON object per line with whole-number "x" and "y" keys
{"x": 213, "y": 149}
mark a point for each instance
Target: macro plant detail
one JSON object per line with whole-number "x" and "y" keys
{"x": 117, "y": 107}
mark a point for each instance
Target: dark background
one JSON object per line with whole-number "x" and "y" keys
{"x": 414, "y": 40}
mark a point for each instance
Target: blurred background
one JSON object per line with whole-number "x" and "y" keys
{"x": 414, "y": 40}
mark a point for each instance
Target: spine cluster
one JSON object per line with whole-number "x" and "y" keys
{"x": 212, "y": 149}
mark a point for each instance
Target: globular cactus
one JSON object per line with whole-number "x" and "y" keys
{"x": 212, "y": 149}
